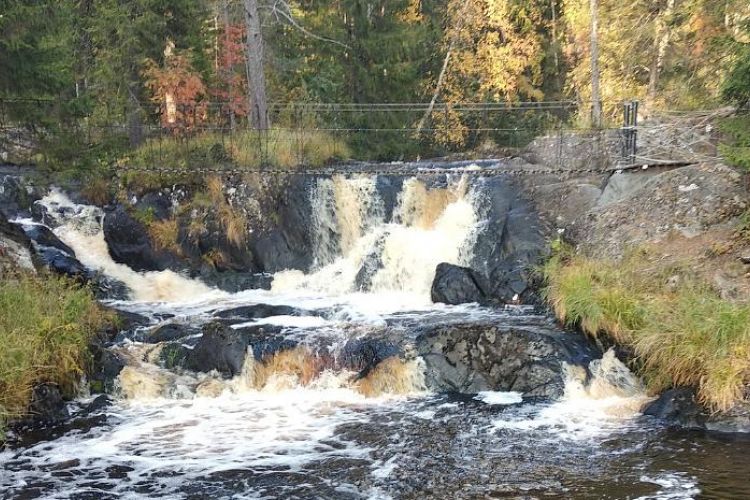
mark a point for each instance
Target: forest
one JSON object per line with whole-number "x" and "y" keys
{"x": 430, "y": 68}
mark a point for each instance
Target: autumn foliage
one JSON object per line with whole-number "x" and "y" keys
{"x": 179, "y": 93}
{"x": 231, "y": 89}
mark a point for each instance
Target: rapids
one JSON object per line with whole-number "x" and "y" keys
{"x": 304, "y": 424}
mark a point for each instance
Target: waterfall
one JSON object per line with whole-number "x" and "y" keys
{"x": 357, "y": 249}
{"x": 80, "y": 227}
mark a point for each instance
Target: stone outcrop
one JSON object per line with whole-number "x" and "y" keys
{"x": 519, "y": 355}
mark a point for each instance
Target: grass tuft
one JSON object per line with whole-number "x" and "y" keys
{"x": 165, "y": 235}
{"x": 46, "y": 324}
{"x": 681, "y": 331}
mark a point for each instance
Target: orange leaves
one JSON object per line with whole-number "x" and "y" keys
{"x": 178, "y": 91}
{"x": 232, "y": 86}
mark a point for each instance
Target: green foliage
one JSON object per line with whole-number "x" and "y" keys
{"x": 683, "y": 335}
{"x": 736, "y": 147}
{"x": 46, "y": 324}
{"x": 736, "y": 87}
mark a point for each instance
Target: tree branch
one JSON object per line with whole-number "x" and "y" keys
{"x": 285, "y": 12}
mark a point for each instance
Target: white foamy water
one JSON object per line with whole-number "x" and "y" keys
{"x": 609, "y": 402}
{"x": 80, "y": 227}
{"x": 430, "y": 226}
{"x": 275, "y": 430}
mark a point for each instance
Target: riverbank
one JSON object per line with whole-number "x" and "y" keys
{"x": 658, "y": 264}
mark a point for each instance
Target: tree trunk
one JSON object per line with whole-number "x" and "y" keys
{"x": 661, "y": 41}
{"x": 596, "y": 102}
{"x": 256, "y": 80}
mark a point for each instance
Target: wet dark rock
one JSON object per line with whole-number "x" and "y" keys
{"x": 371, "y": 264}
{"x": 678, "y": 407}
{"x": 456, "y": 285}
{"x": 236, "y": 281}
{"x": 219, "y": 349}
{"x": 61, "y": 263}
{"x": 266, "y": 340}
{"x": 510, "y": 242}
{"x": 106, "y": 366}
{"x": 169, "y": 332}
{"x": 129, "y": 243}
{"x": 287, "y": 245}
{"x": 527, "y": 358}
{"x": 259, "y": 311}
{"x": 43, "y": 236}
{"x": 389, "y": 188}
{"x": 47, "y": 404}
{"x": 128, "y": 320}
{"x": 362, "y": 355}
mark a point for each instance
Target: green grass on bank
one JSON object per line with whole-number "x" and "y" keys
{"x": 680, "y": 330}
{"x": 46, "y": 324}
{"x": 247, "y": 149}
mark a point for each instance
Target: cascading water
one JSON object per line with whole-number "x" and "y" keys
{"x": 358, "y": 250}
{"x": 330, "y": 399}
{"x": 80, "y": 227}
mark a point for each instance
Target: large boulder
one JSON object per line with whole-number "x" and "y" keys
{"x": 16, "y": 197}
{"x": 219, "y": 349}
{"x": 524, "y": 355}
{"x": 678, "y": 407}
{"x": 129, "y": 243}
{"x": 47, "y": 404}
{"x": 456, "y": 285}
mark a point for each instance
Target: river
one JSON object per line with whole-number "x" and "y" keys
{"x": 304, "y": 426}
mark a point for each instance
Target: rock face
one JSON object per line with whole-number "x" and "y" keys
{"x": 516, "y": 356}
{"x": 509, "y": 243}
{"x": 456, "y": 285}
{"x": 684, "y": 201}
{"x": 16, "y": 250}
{"x": 129, "y": 243}
{"x": 287, "y": 244}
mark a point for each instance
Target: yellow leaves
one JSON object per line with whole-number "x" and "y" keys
{"x": 499, "y": 50}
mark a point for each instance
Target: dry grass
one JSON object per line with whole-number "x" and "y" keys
{"x": 231, "y": 219}
{"x": 681, "y": 331}
{"x": 246, "y": 149}
{"x": 97, "y": 191}
{"x": 165, "y": 235}
{"x": 46, "y": 325}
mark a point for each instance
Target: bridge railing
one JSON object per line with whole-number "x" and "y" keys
{"x": 313, "y": 134}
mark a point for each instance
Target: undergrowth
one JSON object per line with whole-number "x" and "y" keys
{"x": 242, "y": 149}
{"x": 736, "y": 146}
{"x": 680, "y": 330}
{"x": 46, "y": 324}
